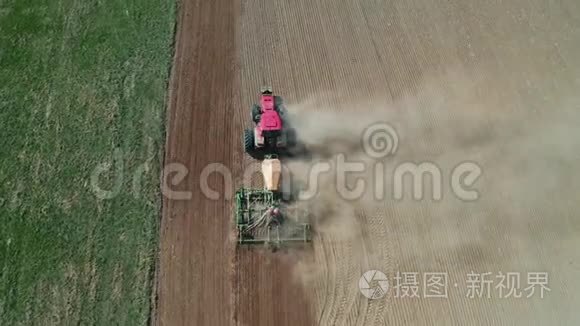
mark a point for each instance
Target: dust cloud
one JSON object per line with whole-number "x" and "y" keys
{"x": 524, "y": 218}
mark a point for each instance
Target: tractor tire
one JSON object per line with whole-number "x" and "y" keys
{"x": 291, "y": 138}
{"x": 278, "y": 101}
{"x": 279, "y": 105}
{"x": 249, "y": 145}
{"x": 256, "y": 113}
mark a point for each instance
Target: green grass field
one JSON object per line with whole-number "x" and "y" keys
{"x": 79, "y": 82}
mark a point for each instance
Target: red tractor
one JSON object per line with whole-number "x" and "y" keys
{"x": 271, "y": 134}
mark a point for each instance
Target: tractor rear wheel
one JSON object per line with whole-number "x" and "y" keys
{"x": 249, "y": 145}
{"x": 291, "y": 139}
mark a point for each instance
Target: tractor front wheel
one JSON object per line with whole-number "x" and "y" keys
{"x": 256, "y": 113}
{"x": 278, "y": 101}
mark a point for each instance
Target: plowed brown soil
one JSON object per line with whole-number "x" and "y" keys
{"x": 194, "y": 286}
{"x": 491, "y": 82}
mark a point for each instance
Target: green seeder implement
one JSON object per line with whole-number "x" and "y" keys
{"x": 262, "y": 218}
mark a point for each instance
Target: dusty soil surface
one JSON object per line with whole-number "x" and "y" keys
{"x": 461, "y": 81}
